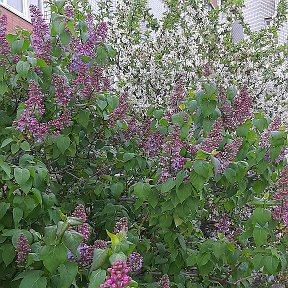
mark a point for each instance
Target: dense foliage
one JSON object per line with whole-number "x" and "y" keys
{"x": 191, "y": 194}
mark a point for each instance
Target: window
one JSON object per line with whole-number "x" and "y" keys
{"x": 17, "y": 4}
{"x": 267, "y": 21}
{"x": 21, "y": 7}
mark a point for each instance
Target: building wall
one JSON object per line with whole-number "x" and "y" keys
{"x": 14, "y": 20}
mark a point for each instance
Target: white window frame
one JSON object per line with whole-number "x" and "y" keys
{"x": 24, "y": 14}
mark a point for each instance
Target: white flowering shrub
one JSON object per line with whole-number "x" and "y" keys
{"x": 194, "y": 41}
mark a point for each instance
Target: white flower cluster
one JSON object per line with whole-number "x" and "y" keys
{"x": 190, "y": 37}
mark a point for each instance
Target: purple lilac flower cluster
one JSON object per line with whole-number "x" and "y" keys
{"x": 164, "y": 282}
{"x": 121, "y": 225}
{"x": 150, "y": 141}
{"x": 223, "y": 225}
{"x": 135, "y": 261}
{"x": 171, "y": 161}
{"x": 62, "y": 90}
{"x": 118, "y": 277}
{"x": 120, "y": 113}
{"x": 28, "y": 121}
{"x": 87, "y": 253}
{"x": 83, "y": 229}
{"x": 22, "y": 249}
{"x": 69, "y": 12}
{"x": 60, "y": 123}
{"x": 41, "y": 35}
{"x": 229, "y": 153}
{"x": 89, "y": 80}
{"x": 214, "y": 137}
{"x": 207, "y": 71}
{"x": 4, "y": 45}
{"x": 237, "y": 113}
{"x": 280, "y": 212}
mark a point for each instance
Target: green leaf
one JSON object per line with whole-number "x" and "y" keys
{"x": 22, "y": 68}
{"x": 99, "y": 258}
{"x": 142, "y": 191}
{"x": 260, "y": 236}
{"x": 168, "y": 185}
{"x": 117, "y": 189}
{"x": 3, "y": 209}
{"x": 178, "y": 119}
{"x": 102, "y": 104}
{"x": 202, "y": 168}
{"x": 33, "y": 279}
{"x": 22, "y": 175}
{"x": 54, "y": 256}
{"x": 113, "y": 101}
{"x": 17, "y": 216}
{"x": 65, "y": 38}
{"x": 6, "y": 142}
{"x": 6, "y": 168}
{"x": 41, "y": 63}
{"x": 117, "y": 256}
{"x": 8, "y": 253}
{"x": 17, "y": 46}
{"x": 97, "y": 278}
{"x": 72, "y": 240}
{"x": 59, "y": 26}
{"x": 38, "y": 195}
{"x": 271, "y": 264}
{"x": 83, "y": 118}
{"x": 114, "y": 238}
{"x": 128, "y": 156}
{"x": 184, "y": 191}
{"x": 278, "y": 138}
{"x": 68, "y": 272}
{"x": 63, "y": 143}
{"x": 25, "y": 146}
{"x": 50, "y": 234}
{"x": 261, "y": 216}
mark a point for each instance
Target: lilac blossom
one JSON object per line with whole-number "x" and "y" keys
{"x": 28, "y": 121}
{"x": 134, "y": 261}
{"x": 121, "y": 225}
{"x": 229, "y": 153}
{"x": 22, "y": 249}
{"x": 236, "y": 114}
{"x": 164, "y": 282}
{"x": 280, "y": 212}
{"x": 172, "y": 162}
{"x": 4, "y": 45}
{"x": 118, "y": 275}
{"x": 41, "y": 35}
{"x": 62, "y": 90}
{"x": 223, "y": 225}
{"x": 214, "y": 137}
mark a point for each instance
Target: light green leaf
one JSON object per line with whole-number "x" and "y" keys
{"x": 72, "y": 240}
{"x": 21, "y": 175}
{"x": 3, "y": 209}
{"x": 17, "y": 216}
{"x": 33, "y": 279}
{"x": 68, "y": 272}
{"x": 63, "y": 143}
{"x": 99, "y": 258}
{"x": 8, "y": 253}
{"x": 97, "y": 278}
{"x": 54, "y": 256}
{"x": 168, "y": 185}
